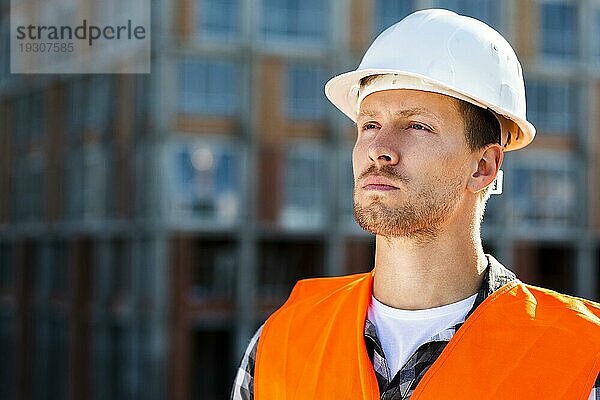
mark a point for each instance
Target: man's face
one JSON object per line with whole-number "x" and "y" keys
{"x": 411, "y": 163}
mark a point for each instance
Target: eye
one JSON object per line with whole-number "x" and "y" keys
{"x": 369, "y": 125}
{"x": 419, "y": 127}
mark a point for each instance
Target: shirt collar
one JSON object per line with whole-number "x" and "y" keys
{"x": 496, "y": 275}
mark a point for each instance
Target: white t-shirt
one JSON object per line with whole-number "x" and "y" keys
{"x": 401, "y": 332}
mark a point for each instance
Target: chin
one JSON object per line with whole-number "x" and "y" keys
{"x": 377, "y": 204}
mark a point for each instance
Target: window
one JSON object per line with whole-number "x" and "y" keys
{"x": 211, "y": 363}
{"x": 219, "y": 19}
{"x": 21, "y": 120}
{"x": 141, "y": 104}
{"x": 34, "y": 188}
{"x": 58, "y": 270}
{"x": 20, "y": 178}
{"x": 28, "y": 117}
{"x": 305, "y": 96}
{"x": 555, "y": 267}
{"x": 4, "y": 49}
{"x": 142, "y": 181}
{"x": 487, "y": 11}
{"x": 304, "y": 187}
{"x": 209, "y": 87}
{"x": 58, "y": 356}
{"x": 100, "y": 101}
{"x": 145, "y": 262}
{"x": 296, "y": 20}
{"x": 283, "y": 263}
{"x": 359, "y": 255}
{"x": 8, "y": 346}
{"x": 552, "y": 106}
{"x": 40, "y": 368}
{"x": 213, "y": 268}
{"x": 28, "y": 194}
{"x": 36, "y": 115}
{"x": 388, "y": 12}
{"x": 7, "y": 268}
{"x": 558, "y": 25}
{"x": 120, "y": 361}
{"x": 121, "y": 267}
{"x": 73, "y": 176}
{"x": 95, "y": 184}
{"x": 596, "y": 34}
{"x": 205, "y": 179}
{"x": 545, "y": 193}
{"x": 74, "y": 108}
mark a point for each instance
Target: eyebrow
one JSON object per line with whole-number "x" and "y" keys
{"x": 401, "y": 113}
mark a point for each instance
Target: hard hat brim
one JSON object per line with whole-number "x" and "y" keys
{"x": 342, "y": 91}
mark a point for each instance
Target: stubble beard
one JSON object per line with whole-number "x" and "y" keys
{"x": 420, "y": 217}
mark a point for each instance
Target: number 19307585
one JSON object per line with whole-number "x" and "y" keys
{"x": 47, "y": 47}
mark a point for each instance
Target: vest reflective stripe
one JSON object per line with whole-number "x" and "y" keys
{"x": 521, "y": 342}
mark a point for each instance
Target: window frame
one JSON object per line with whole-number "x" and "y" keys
{"x": 521, "y": 199}
{"x": 200, "y": 100}
{"x": 279, "y": 36}
{"x": 297, "y": 216}
{"x": 553, "y": 54}
{"x": 565, "y": 115}
{"x": 296, "y": 107}
{"x": 230, "y": 213}
{"x": 218, "y": 35}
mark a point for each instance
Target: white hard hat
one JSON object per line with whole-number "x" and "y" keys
{"x": 440, "y": 51}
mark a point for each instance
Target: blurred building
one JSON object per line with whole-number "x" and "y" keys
{"x": 150, "y": 223}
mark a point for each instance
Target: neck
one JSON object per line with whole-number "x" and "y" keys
{"x": 413, "y": 275}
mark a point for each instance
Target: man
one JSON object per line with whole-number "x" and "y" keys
{"x": 437, "y": 99}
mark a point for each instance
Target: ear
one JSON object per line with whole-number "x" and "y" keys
{"x": 488, "y": 163}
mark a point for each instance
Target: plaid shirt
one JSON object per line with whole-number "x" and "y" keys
{"x": 402, "y": 385}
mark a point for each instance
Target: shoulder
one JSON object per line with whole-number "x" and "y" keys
{"x": 576, "y": 317}
{"x": 313, "y": 288}
{"x": 559, "y": 302}
{"x": 541, "y": 304}
{"x": 314, "y": 302}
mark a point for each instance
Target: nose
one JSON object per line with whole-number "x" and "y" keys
{"x": 381, "y": 152}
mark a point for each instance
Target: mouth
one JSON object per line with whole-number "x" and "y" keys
{"x": 378, "y": 183}
{"x": 379, "y": 187}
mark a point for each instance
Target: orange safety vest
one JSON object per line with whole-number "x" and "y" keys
{"x": 522, "y": 342}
